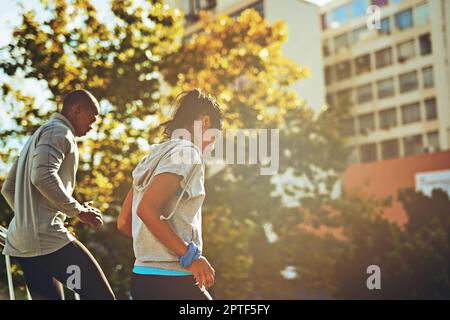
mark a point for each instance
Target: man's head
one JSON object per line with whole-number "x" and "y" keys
{"x": 81, "y": 108}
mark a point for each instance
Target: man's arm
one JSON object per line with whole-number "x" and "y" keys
{"x": 9, "y": 186}
{"x": 50, "y": 152}
{"x": 124, "y": 220}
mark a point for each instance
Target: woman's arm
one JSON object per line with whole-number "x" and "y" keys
{"x": 152, "y": 205}
{"x": 124, "y": 219}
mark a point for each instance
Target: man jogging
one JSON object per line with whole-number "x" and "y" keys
{"x": 39, "y": 189}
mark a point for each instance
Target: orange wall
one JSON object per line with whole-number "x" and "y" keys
{"x": 384, "y": 178}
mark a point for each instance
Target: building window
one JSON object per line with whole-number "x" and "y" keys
{"x": 359, "y": 8}
{"x": 408, "y": 82}
{"x": 326, "y": 48}
{"x": 433, "y": 144}
{"x": 413, "y": 145}
{"x": 421, "y": 14}
{"x": 195, "y": 6}
{"x": 385, "y": 26}
{"x": 385, "y": 88}
{"x": 258, "y": 7}
{"x": 362, "y": 64}
{"x": 328, "y": 75}
{"x": 330, "y": 100}
{"x": 404, "y": 19}
{"x": 427, "y": 77}
{"x": 383, "y": 58}
{"x": 431, "y": 109}
{"x": 426, "y": 47}
{"x": 348, "y": 127}
{"x": 352, "y": 155}
{"x": 406, "y": 51}
{"x": 341, "y": 42}
{"x": 368, "y": 152}
{"x": 323, "y": 20}
{"x": 366, "y": 123}
{"x": 411, "y": 113}
{"x": 359, "y": 34}
{"x": 343, "y": 70}
{"x": 364, "y": 93}
{"x": 345, "y": 97}
{"x": 388, "y": 118}
{"x": 390, "y": 149}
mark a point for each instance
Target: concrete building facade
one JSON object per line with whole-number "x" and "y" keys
{"x": 395, "y": 79}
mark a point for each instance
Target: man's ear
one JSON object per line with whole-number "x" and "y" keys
{"x": 76, "y": 109}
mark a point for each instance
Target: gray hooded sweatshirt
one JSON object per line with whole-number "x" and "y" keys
{"x": 184, "y": 210}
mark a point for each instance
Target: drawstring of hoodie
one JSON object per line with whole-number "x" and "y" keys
{"x": 164, "y": 218}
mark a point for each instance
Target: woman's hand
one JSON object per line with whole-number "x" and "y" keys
{"x": 203, "y": 272}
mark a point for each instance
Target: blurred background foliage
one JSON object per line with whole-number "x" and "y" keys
{"x": 135, "y": 65}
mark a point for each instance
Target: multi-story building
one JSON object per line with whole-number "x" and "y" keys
{"x": 395, "y": 78}
{"x": 303, "y": 45}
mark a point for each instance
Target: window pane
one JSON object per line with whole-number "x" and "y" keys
{"x": 364, "y": 93}
{"x": 389, "y": 149}
{"x": 326, "y": 48}
{"x": 422, "y": 14}
{"x": 383, "y": 58}
{"x": 408, "y": 82}
{"x": 404, "y": 19}
{"x": 411, "y": 113}
{"x": 362, "y": 64}
{"x": 323, "y": 19}
{"x": 433, "y": 141}
{"x": 368, "y": 152}
{"x": 385, "y": 88}
{"x": 366, "y": 123}
{"x": 413, "y": 145}
{"x": 388, "y": 118}
{"x": 385, "y": 26}
{"x": 343, "y": 70}
{"x": 328, "y": 75}
{"x": 341, "y": 42}
{"x": 348, "y": 127}
{"x": 330, "y": 100}
{"x": 425, "y": 45}
{"x": 406, "y": 51}
{"x": 428, "y": 78}
{"x": 430, "y": 108}
{"x": 359, "y": 34}
{"x": 359, "y": 8}
{"x": 345, "y": 97}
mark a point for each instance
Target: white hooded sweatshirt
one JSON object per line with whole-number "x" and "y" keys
{"x": 184, "y": 210}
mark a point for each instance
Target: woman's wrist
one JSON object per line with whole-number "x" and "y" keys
{"x": 193, "y": 253}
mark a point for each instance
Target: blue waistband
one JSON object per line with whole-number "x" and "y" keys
{"x": 159, "y": 272}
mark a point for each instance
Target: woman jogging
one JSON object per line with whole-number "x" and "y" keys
{"x": 162, "y": 211}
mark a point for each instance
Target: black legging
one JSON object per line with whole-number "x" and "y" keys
{"x": 40, "y": 273}
{"x": 152, "y": 287}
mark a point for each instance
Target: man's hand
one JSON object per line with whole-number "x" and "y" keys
{"x": 91, "y": 215}
{"x": 203, "y": 272}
